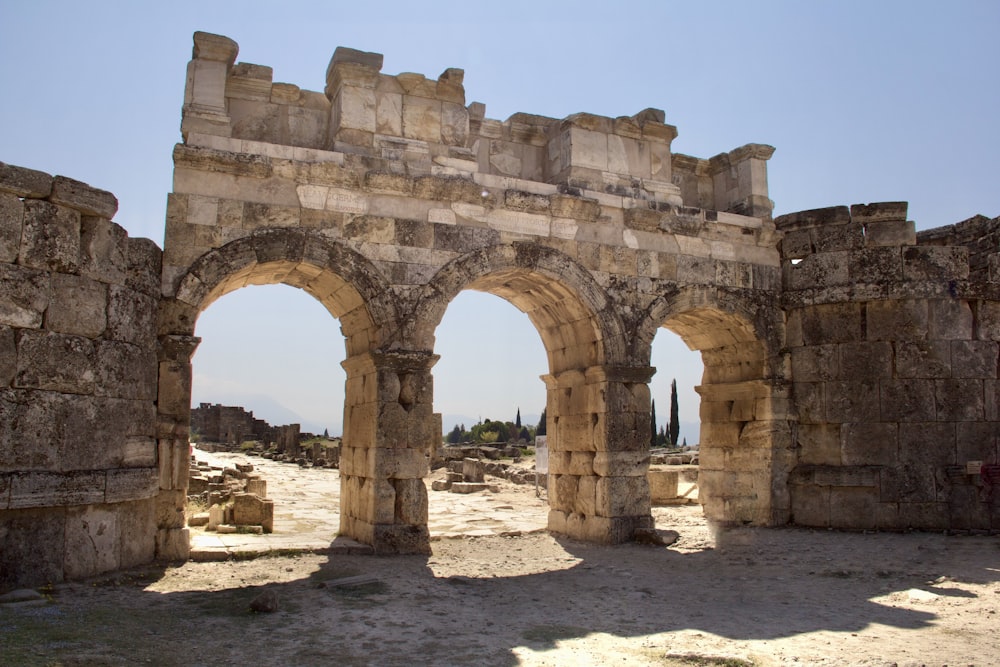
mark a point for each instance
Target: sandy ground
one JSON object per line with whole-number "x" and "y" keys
{"x": 746, "y": 596}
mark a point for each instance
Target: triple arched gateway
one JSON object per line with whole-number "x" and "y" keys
{"x": 385, "y": 196}
{"x": 850, "y": 363}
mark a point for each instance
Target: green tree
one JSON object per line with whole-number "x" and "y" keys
{"x": 652, "y": 424}
{"x": 525, "y": 434}
{"x": 455, "y": 436}
{"x": 517, "y": 420}
{"x": 541, "y": 423}
{"x": 326, "y": 433}
{"x": 675, "y": 424}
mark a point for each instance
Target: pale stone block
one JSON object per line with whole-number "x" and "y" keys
{"x": 518, "y": 222}
{"x": 389, "y": 113}
{"x": 441, "y": 216}
{"x": 421, "y": 119}
{"x": 346, "y": 201}
{"x": 588, "y": 149}
{"x": 92, "y": 542}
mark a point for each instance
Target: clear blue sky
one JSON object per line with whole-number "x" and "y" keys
{"x": 864, "y": 101}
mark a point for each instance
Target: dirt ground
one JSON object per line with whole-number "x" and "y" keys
{"x": 739, "y": 597}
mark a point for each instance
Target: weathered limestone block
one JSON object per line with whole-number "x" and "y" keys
{"x": 924, "y": 359}
{"x": 93, "y": 543}
{"x": 815, "y": 363}
{"x": 869, "y": 443}
{"x": 83, "y": 198}
{"x": 103, "y": 250}
{"x": 973, "y": 359}
{"x": 131, "y": 317}
{"x": 137, "y": 530}
{"x": 143, "y": 260}
{"x": 907, "y": 400}
{"x": 52, "y": 489}
{"x": 250, "y": 510}
{"x": 473, "y": 470}
{"x": 859, "y": 361}
{"x": 411, "y": 501}
{"x": 949, "y": 319}
{"x": 50, "y": 237}
{"x": 173, "y": 544}
{"x": 24, "y": 182}
{"x": 826, "y": 269}
{"x": 126, "y": 371}
{"x": 852, "y": 401}
{"x": 959, "y": 400}
{"x": 876, "y": 265}
{"x": 78, "y": 306}
{"x": 34, "y": 547}
{"x": 935, "y": 263}
{"x": 902, "y": 320}
{"x": 55, "y": 362}
{"x": 623, "y": 496}
{"x": 24, "y": 296}
{"x": 11, "y": 218}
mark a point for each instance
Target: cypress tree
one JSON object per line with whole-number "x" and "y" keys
{"x": 675, "y": 424}
{"x": 517, "y": 420}
{"x": 541, "y": 423}
{"x": 652, "y": 424}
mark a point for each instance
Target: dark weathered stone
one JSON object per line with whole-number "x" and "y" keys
{"x": 23, "y": 182}
{"x": 83, "y": 198}
{"x": 56, "y": 362}
{"x": 51, "y": 237}
{"x": 24, "y": 296}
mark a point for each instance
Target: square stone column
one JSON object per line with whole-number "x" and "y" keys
{"x": 598, "y": 439}
{"x": 173, "y": 422}
{"x": 390, "y": 432}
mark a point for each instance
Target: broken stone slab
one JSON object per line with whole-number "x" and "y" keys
{"x": 473, "y": 487}
{"x": 84, "y": 198}
{"x": 473, "y": 470}
{"x": 441, "y": 485}
{"x": 199, "y": 519}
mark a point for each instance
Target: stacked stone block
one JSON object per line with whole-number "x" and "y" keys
{"x": 78, "y": 383}
{"x": 893, "y": 353}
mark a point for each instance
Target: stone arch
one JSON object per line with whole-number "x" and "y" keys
{"x": 597, "y": 402}
{"x": 347, "y": 285}
{"x": 746, "y": 444}
{"x": 573, "y": 314}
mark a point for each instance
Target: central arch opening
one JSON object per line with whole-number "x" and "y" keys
{"x": 491, "y": 397}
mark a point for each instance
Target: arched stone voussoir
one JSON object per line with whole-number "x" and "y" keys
{"x": 474, "y": 270}
{"x": 754, "y": 319}
{"x": 266, "y": 256}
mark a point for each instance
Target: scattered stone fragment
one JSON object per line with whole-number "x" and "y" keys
{"x": 265, "y": 603}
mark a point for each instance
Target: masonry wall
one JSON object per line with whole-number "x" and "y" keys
{"x": 78, "y": 383}
{"x": 893, "y": 348}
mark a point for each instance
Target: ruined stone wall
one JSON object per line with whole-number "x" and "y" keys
{"x": 78, "y": 383}
{"x": 893, "y": 349}
{"x": 229, "y": 424}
